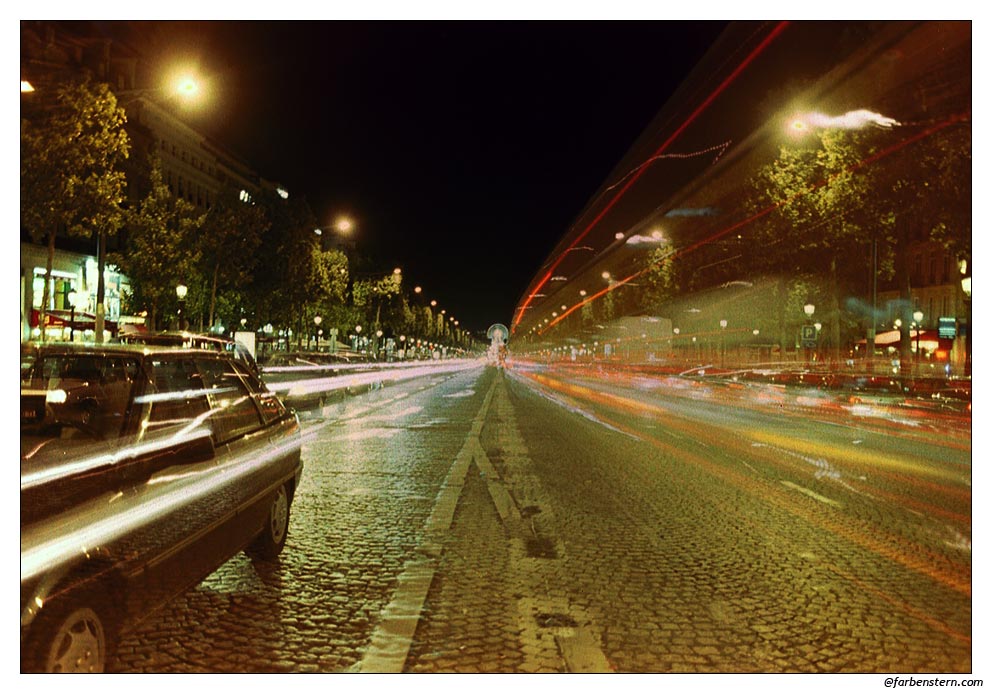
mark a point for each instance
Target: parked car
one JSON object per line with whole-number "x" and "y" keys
{"x": 143, "y": 469}
{"x": 302, "y": 378}
{"x": 192, "y": 341}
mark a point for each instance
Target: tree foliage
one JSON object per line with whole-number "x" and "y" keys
{"x": 73, "y": 145}
{"x": 227, "y": 248}
{"x": 160, "y": 252}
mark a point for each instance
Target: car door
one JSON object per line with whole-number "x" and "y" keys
{"x": 175, "y": 500}
{"x": 242, "y": 438}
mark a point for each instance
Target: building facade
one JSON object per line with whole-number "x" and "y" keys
{"x": 194, "y": 167}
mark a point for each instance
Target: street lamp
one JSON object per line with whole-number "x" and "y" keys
{"x": 723, "y": 343}
{"x": 809, "y": 340}
{"x": 966, "y": 288}
{"x": 72, "y": 315}
{"x": 316, "y": 322}
{"x": 918, "y": 319}
{"x": 342, "y": 225}
{"x": 181, "y": 291}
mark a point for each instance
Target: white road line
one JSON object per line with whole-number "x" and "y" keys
{"x": 390, "y": 643}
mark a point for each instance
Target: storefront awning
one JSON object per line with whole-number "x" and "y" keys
{"x": 60, "y": 318}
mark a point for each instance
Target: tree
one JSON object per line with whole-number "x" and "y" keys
{"x": 73, "y": 146}
{"x": 159, "y": 252}
{"x": 375, "y": 292}
{"x": 282, "y": 292}
{"x": 822, "y": 209}
{"x": 926, "y": 191}
{"x": 227, "y": 248}
{"x": 329, "y": 280}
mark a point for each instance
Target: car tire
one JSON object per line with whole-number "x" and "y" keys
{"x": 269, "y": 543}
{"x": 74, "y": 637}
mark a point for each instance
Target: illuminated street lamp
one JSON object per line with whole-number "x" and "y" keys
{"x": 316, "y": 322}
{"x": 723, "y": 342}
{"x": 72, "y": 315}
{"x": 342, "y": 225}
{"x": 809, "y": 309}
{"x": 918, "y": 319}
{"x": 181, "y": 291}
{"x": 966, "y": 288}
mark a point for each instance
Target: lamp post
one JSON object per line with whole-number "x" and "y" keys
{"x": 316, "y": 322}
{"x": 918, "y": 320}
{"x": 181, "y": 291}
{"x": 723, "y": 343}
{"x": 73, "y": 297}
{"x": 809, "y": 332}
{"x": 964, "y": 266}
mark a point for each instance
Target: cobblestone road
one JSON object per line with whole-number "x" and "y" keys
{"x": 467, "y": 524}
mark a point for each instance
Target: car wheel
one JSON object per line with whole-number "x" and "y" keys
{"x": 272, "y": 539}
{"x": 74, "y": 638}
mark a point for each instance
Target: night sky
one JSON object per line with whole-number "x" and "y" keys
{"x": 462, "y": 150}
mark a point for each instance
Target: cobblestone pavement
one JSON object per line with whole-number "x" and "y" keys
{"x": 373, "y": 468}
{"x": 471, "y": 525}
{"x": 626, "y": 557}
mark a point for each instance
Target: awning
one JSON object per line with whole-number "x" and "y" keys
{"x": 60, "y": 318}
{"x": 928, "y": 339}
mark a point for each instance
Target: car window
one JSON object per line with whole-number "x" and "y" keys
{"x": 233, "y": 411}
{"x": 90, "y": 394}
{"x": 178, "y": 392}
{"x": 268, "y": 402}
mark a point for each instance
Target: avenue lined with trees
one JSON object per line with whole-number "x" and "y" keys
{"x": 253, "y": 264}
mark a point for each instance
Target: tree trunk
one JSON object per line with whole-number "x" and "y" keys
{"x": 834, "y": 315}
{"x": 905, "y": 309}
{"x": 101, "y": 253}
{"x": 46, "y": 294}
{"x": 782, "y": 295}
{"x": 213, "y": 292}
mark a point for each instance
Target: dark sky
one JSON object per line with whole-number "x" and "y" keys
{"x": 463, "y": 150}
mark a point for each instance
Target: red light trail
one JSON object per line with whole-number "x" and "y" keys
{"x": 775, "y": 33}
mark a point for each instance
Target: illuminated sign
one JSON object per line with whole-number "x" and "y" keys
{"x": 947, "y": 328}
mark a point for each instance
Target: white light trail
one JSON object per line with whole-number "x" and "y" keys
{"x": 852, "y": 120}
{"x": 51, "y": 543}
